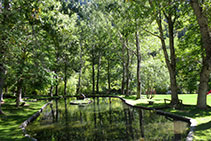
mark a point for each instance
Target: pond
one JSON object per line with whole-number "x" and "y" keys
{"x": 103, "y": 119}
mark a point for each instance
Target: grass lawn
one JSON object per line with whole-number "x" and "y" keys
{"x": 10, "y": 122}
{"x": 203, "y": 117}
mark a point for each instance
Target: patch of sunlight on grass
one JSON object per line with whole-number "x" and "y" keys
{"x": 10, "y": 122}
{"x": 203, "y": 135}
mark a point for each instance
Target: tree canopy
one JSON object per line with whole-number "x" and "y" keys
{"x": 126, "y": 47}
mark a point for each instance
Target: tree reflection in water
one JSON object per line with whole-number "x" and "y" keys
{"x": 104, "y": 119}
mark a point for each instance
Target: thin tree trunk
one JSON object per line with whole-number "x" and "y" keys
{"x": 51, "y": 91}
{"x": 206, "y": 46}
{"x": 127, "y": 73}
{"x": 2, "y": 75}
{"x": 78, "y": 91}
{"x": 19, "y": 92}
{"x": 56, "y": 90}
{"x": 109, "y": 79}
{"x": 98, "y": 73}
{"x": 57, "y": 110}
{"x": 1, "y": 112}
{"x": 138, "y": 93}
{"x": 141, "y": 122}
{"x": 5, "y": 93}
{"x": 1, "y": 84}
{"x": 93, "y": 72}
{"x": 123, "y": 65}
{"x": 65, "y": 79}
{"x": 57, "y": 61}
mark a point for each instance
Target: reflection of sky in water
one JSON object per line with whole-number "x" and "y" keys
{"x": 104, "y": 119}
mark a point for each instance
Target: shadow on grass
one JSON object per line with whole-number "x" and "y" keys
{"x": 130, "y": 97}
{"x": 155, "y": 105}
{"x": 204, "y": 126}
{"x": 12, "y": 119}
{"x": 190, "y": 111}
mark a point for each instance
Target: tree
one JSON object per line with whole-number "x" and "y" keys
{"x": 202, "y": 19}
{"x": 5, "y": 14}
{"x": 171, "y": 13}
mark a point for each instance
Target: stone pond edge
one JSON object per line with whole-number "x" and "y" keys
{"x": 30, "y": 119}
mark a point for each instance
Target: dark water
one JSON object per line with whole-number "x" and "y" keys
{"x": 104, "y": 119}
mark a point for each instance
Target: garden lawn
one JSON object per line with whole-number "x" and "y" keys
{"x": 203, "y": 117}
{"x": 10, "y": 122}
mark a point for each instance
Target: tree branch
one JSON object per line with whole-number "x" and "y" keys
{"x": 152, "y": 33}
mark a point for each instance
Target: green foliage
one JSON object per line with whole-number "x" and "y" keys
{"x": 43, "y": 41}
{"x": 189, "y": 57}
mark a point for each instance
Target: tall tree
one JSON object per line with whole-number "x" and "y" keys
{"x": 4, "y": 10}
{"x": 171, "y": 16}
{"x": 138, "y": 93}
{"x": 202, "y": 19}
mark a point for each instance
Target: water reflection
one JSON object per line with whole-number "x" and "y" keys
{"x": 104, "y": 119}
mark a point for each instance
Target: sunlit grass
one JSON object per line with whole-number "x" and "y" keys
{"x": 10, "y": 122}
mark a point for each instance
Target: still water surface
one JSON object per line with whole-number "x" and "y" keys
{"x": 104, "y": 119}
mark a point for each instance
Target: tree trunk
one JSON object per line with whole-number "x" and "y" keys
{"x": 1, "y": 84}
{"x": 5, "y": 93}
{"x": 2, "y": 93}
{"x": 51, "y": 91}
{"x": 203, "y": 86}
{"x": 19, "y": 92}
{"x": 65, "y": 79}
{"x": 206, "y": 45}
{"x": 56, "y": 90}
{"x": 1, "y": 112}
{"x": 172, "y": 69}
{"x": 3, "y": 48}
{"x": 141, "y": 122}
{"x": 109, "y": 79}
{"x": 98, "y": 73}
{"x": 138, "y": 93}
{"x": 2, "y": 76}
{"x": 127, "y": 73}
{"x": 93, "y": 73}
{"x": 123, "y": 66}
{"x": 78, "y": 91}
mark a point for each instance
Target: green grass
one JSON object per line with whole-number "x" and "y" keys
{"x": 10, "y": 122}
{"x": 203, "y": 117}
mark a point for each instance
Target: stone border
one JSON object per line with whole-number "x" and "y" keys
{"x": 30, "y": 119}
